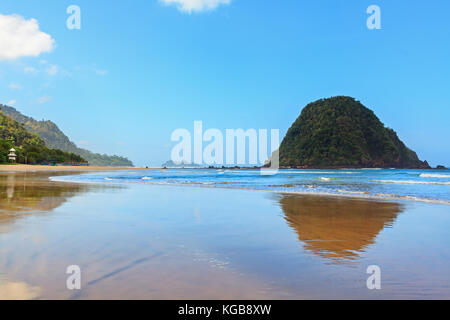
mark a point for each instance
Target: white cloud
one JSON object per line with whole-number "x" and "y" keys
{"x": 29, "y": 70}
{"x": 15, "y": 86}
{"x": 52, "y": 70}
{"x": 101, "y": 72}
{"x": 97, "y": 71}
{"x": 196, "y": 5}
{"x": 11, "y": 103}
{"x": 22, "y": 38}
{"x": 44, "y": 99}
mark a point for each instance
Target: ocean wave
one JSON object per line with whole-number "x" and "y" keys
{"x": 282, "y": 185}
{"x": 430, "y": 175}
{"x": 147, "y": 178}
{"x": 368, "y": 196}
{"x": 414, "y": 182}
{"x": 310, "y": 190}
{"x": 325, "y": 179}
{"x": 353, "y": 192}
{"x": 318, "y": 172}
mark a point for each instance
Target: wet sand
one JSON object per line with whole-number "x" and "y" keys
{"x": 175, "y": 242}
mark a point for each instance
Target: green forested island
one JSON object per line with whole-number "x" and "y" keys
{"x": 341, "y": 132}
{"x": 30, "y": 148}
{"x": 54, "y": 138}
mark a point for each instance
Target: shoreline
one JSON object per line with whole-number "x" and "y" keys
{"x": 40, "y": 168}
{"x": 80, "y": 170}
{"x": 43, "y": 168}
{"x": 349, "y": 196}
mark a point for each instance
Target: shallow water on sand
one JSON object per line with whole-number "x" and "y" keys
{"x": 140, "y": 241}
{"x": 431, "y": 186}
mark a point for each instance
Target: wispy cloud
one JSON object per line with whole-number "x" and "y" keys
{"x": 29, "y": 70}
{"x": 11, "y": 103}
{"x": 15, "y": 86}
{"x": 44, "y": 99}
{"x": 190, "y": 6}
{"x": 52, "y": 70}
{"x": 22, "y": 38}
{"x": 100, "y": 72}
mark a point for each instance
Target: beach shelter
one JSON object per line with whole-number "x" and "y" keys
{"x": 12, "y": 157}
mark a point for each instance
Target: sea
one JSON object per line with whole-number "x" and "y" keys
{"x": 388, "y": 184}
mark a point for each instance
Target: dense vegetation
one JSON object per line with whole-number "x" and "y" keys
{"x": 29, "y": 147}
{"x": 56, "y": 139}
{"x": 341, "y": 132}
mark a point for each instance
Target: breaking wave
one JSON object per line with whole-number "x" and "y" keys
{"x": 439, "y": 183}
{"x": 432, "y": 175}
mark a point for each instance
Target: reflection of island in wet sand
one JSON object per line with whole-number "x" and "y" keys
{"x": 25, "y": 193}
{"x": 170, "y": 242}
{"x": 337, "y": 229}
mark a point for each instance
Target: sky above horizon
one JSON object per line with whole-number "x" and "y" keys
{"x": 138, "y": 70}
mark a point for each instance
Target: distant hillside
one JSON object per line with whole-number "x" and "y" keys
{"x": 29, "y": 147}
{"x": 54, "y": 138}
{"x": 341, "y": 132}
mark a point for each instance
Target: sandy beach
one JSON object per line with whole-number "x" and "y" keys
{"x": 176, "y": 242}
{"x": 39, "y": 168}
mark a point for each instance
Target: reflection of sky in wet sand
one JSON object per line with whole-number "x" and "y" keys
{"x": 18, "y": 291}
{"x": 335, "y": 228}
{"x": 118, "y": 258}
{"x": 168, "y": 242}
{"x": 24, "y": 194}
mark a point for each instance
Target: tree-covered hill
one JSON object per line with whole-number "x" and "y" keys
{"x": 56, "y": 139}
{"x": 341, "y": 132}
{"x": 29, "y": 147}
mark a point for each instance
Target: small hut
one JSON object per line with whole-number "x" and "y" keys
{"x": 12, "y": 157}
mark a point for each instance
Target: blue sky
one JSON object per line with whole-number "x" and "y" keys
{"x": 139, "y": 69}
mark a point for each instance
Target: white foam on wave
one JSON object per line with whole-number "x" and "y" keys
{"x": 319, "y": 172}
{"x": 432, "y": 175}
{"x": 377, "y": 196}
{"x": 325, "y": 179}
{"x": 368, "y": 196}
{"x": 353, "y": 192}
{"x": 310, "y": 190}
{"x": 147, "y": 178}
{"x": 439, "y": 183}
